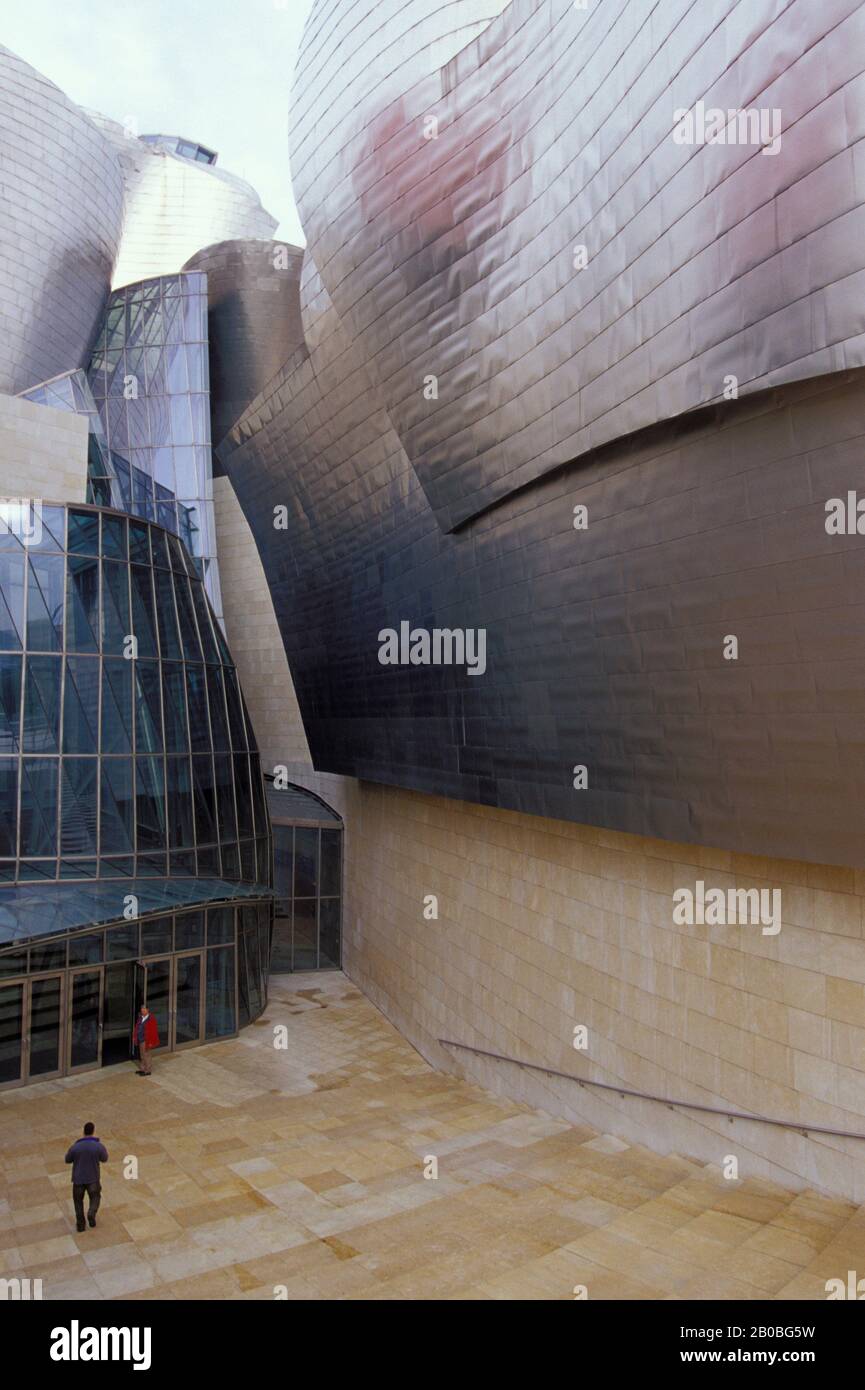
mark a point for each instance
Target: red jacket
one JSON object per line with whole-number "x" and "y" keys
{"x": 151, "y": 1032}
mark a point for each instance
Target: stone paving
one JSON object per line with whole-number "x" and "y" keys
{"x": 299, "y": 1173}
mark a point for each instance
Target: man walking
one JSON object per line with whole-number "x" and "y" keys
{"x": 146, "y": 1035}
{"x": 85, "y": 1155}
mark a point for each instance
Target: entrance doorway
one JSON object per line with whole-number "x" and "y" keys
{"x": 31, "y": 1029}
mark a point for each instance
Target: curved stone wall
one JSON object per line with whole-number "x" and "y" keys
{"x": 60, "y": 219}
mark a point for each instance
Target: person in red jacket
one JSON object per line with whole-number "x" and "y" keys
{"x": 146, "y": 1035}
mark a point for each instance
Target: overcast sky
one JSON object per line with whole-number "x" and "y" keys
{"x": 217, "y": 71}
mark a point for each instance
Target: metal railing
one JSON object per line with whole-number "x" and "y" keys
{"x": 803, "y": 1128}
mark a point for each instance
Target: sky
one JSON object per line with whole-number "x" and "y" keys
{"x": 217, "y": 71}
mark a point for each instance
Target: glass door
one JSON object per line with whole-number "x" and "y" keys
{"x": 85, "y": 1015}
{"x": 119, "y": 1006}
{"x": 157, "y": 995}
{"x": 188, "y": 999}
{"x": 11, "y": 1033}
{"x": 44, "y": 1052}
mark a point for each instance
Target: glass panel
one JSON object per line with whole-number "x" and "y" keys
{"x": 78, "y": 806}
{"x": 114, "y": 537}
{"x": 249, "y": 938}
{"x": 42, "y": 704}
{"x": 305, "y": 943}
{"x": 218, "y": 722}
{"x": 187, "y": 1000}
{"x": 121, "y": 942}
{"x": 156, "y": 936}
{"x": 173, "y": 687}
{"x": 202, "y": 612}
{"x": 45, "y": 1026}
{"x": 78, "y": 868}
{"x": 143, "y": 616}
{"x": 188, "y": 931}
{"x": 280, "y": 956}
{"x": 11, "y": 601}
{"x": 165, "y": 615}
{"x": 116, "y": 623}
{"x": 81, "y": 704}
{"x": 139, "y": 542}
{"x": 220, "y": 925}
{"x": 204, "y": 798}
{"x": 117, "y": 706}
{"x": 329, "y": 877}
{"x": 118, "y": 1011}
{"x": 82, "y": 605}
{"x": 235, "y": 714}
{"x": 198, "y": 724}
{"x": 11, "y": 1032}
{"x": 225, "y": 799}
{"x": 84, "y": 1031}
{"x": 10, "y": 703}
{"x": 39, "y": 806}
{"x": 85, "y": 950}
{"x": 188, "y": 632}
{"x": 117, "y": 817}
{"x": 329, "y": 933}
{"x": 15, "y": 963}
{"x": 264, "y": 939}
{"x": 219, "y": 1004}
{"x": 158, "y": 976}
{"x": 150, "y": 804}
{"x": 180, "y": 832}
{"x": 83, "y": 532}
{"x": 305, "y": 862}
{"x": 45, "y": 603}
{"x": 148, "y": 707}
{"x": 244, "y": 798}
{"x": 50, "y": 956}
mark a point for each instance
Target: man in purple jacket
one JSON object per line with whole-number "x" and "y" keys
{"x": 85, "y": 1155}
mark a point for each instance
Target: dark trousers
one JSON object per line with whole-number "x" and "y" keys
{"x": 94, "y": 1192}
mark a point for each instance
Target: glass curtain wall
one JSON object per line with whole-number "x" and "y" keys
{"x": 308, "y": 890}
{"x": 125, "y": 747}
{"x": 70, "y": 1004}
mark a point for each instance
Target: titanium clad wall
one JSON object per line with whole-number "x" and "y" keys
{"x": 60, "y": 216}
{"x": 455, "y": 255}
{"x": 253, "y": 320}
{"x": 604, "y": 647}
{"x": 174, "y": 206}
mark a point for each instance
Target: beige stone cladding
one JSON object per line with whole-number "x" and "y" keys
{"x": 544, "y": 926}
{"x": 43, "y": 452}
{"x": 253, "y": 637}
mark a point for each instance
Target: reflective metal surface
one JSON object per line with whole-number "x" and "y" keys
{"x": 60, "y": 216}
{"x": 175, "y": 205}
{"x": 253, "y": 322}
{"x": 559, "y": 384}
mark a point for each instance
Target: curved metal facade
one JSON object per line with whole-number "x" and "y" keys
{"x": 174, "y": 206}
{"x": 450, "y": 250}
{"x": 253, "y": 320}
{"x": 60, "y": 220}
{"x": 558, "y": 386}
